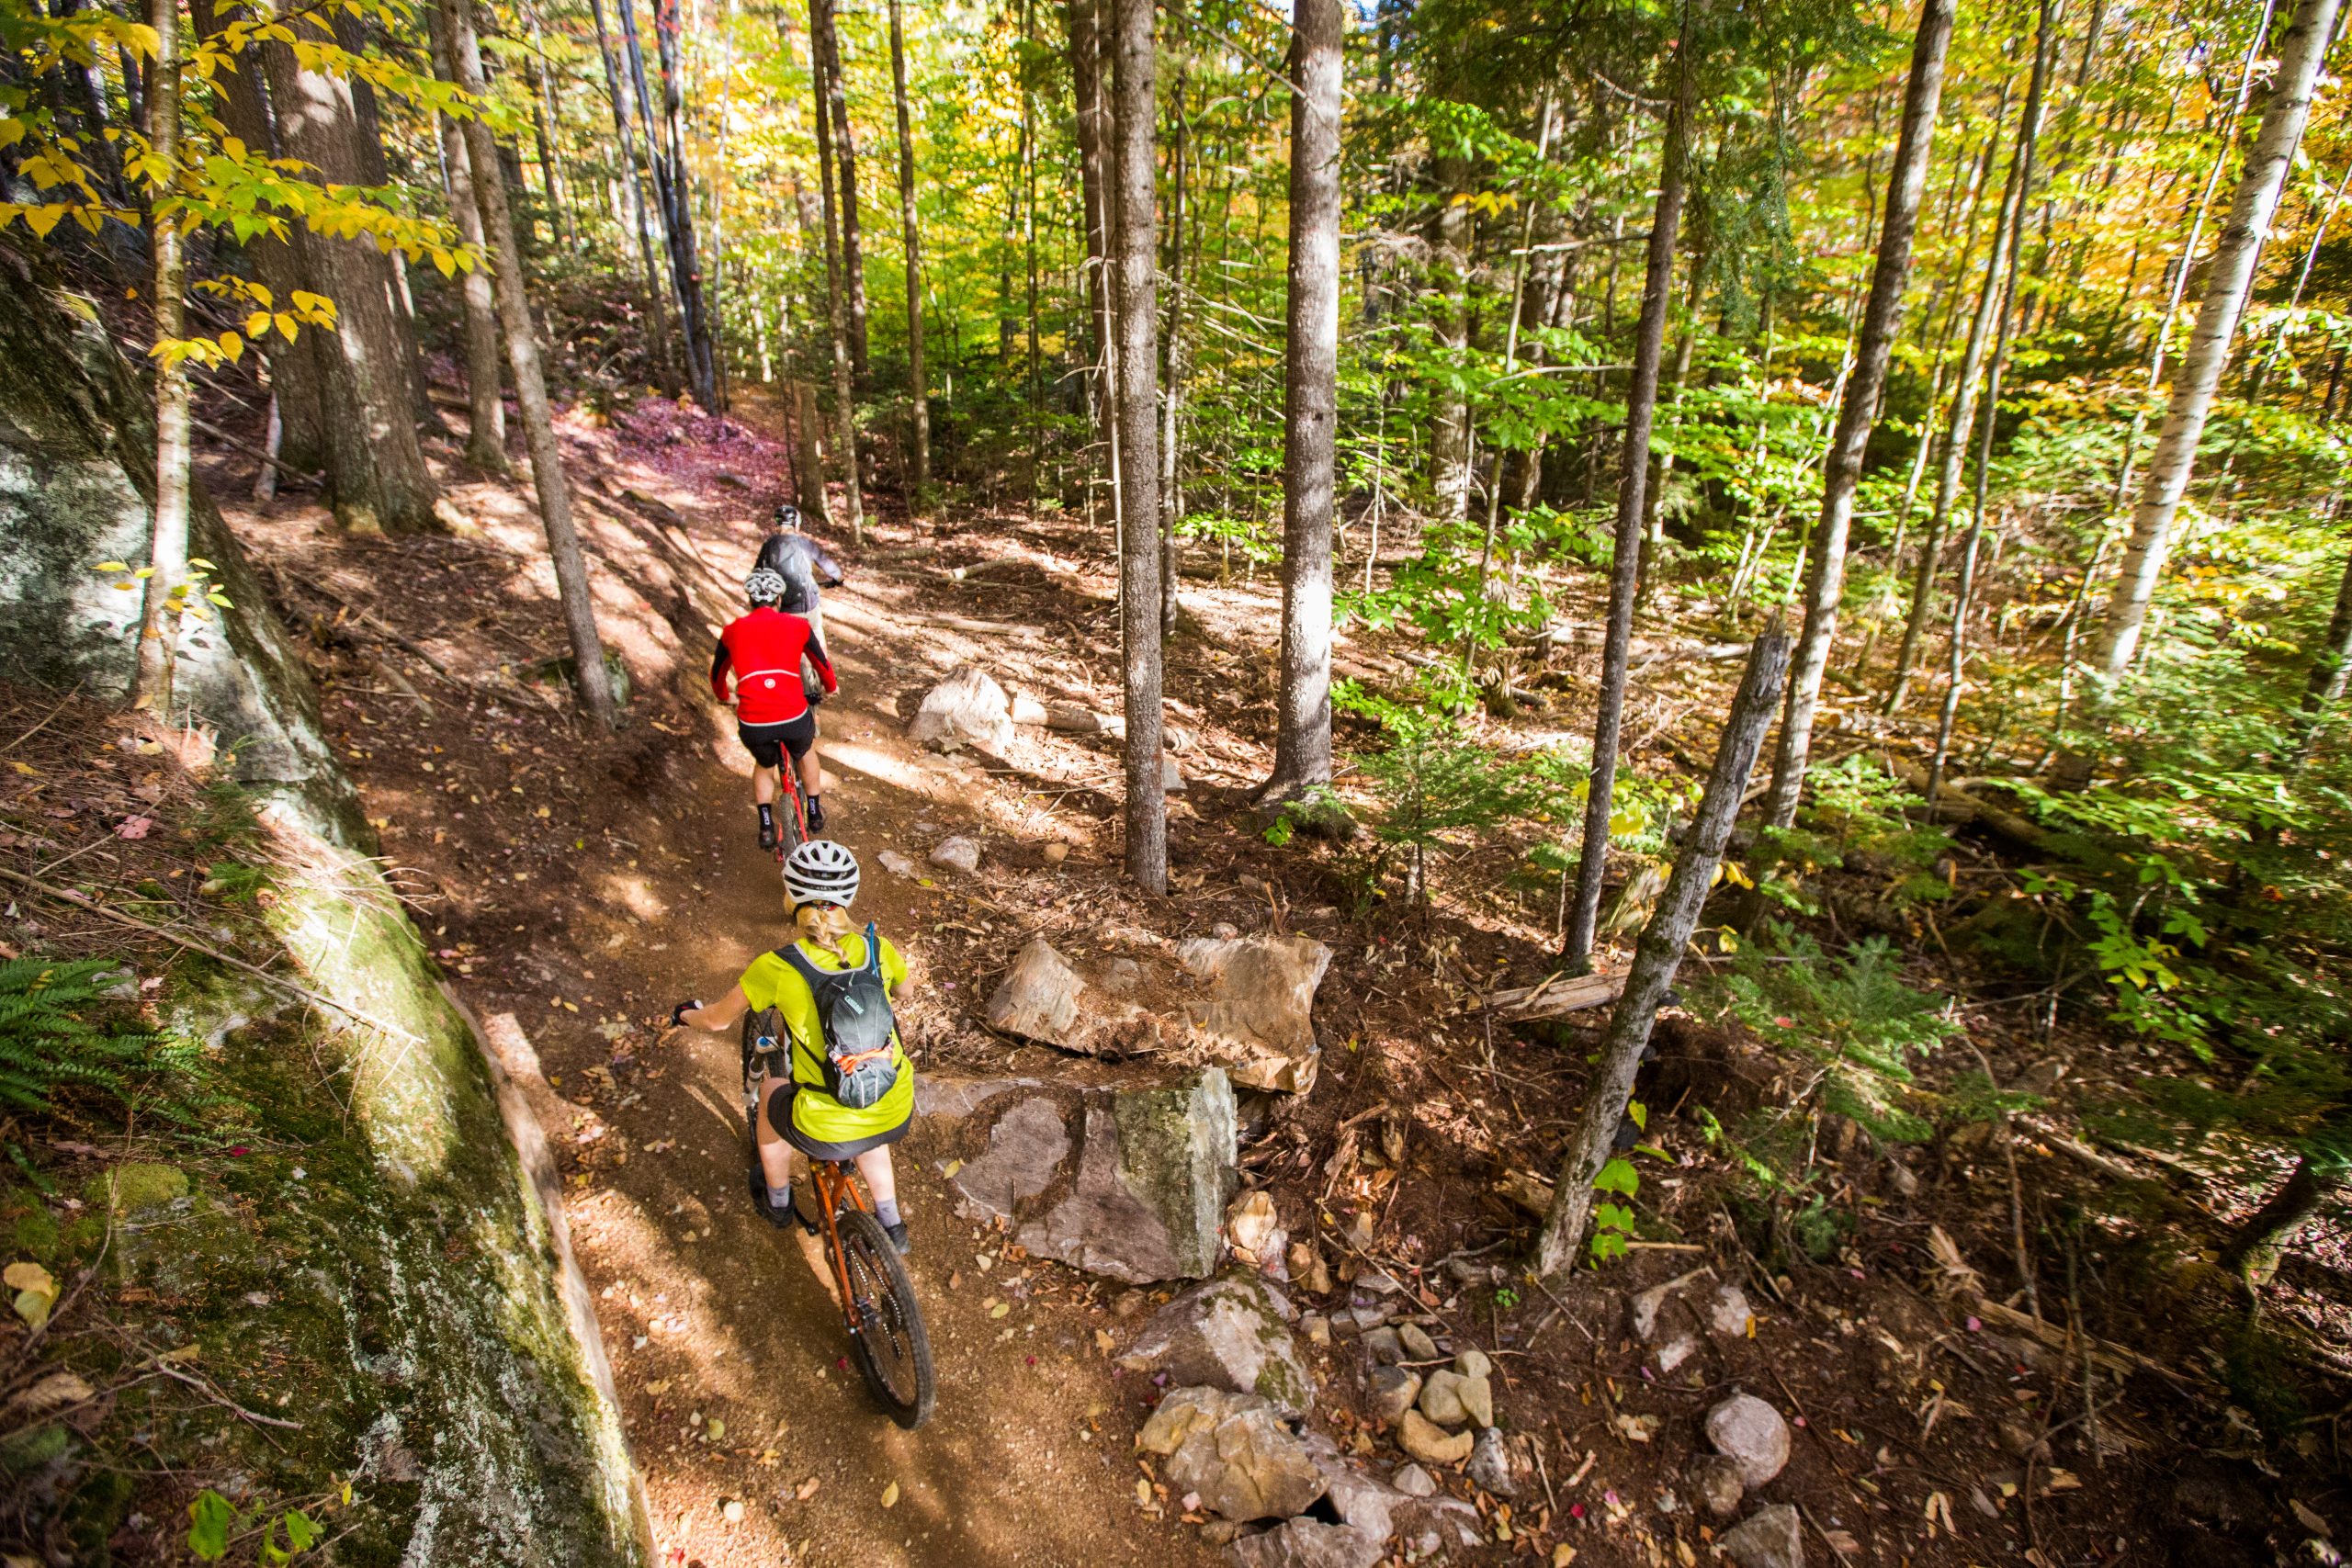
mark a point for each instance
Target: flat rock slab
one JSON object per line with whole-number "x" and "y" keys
{"x": 1235, "y": 1451}
{"x": 1048, "y": 998}
{"x": 1232, "y": 1334}
{"x": 969, "y": 708}
{"x": 1255, "y": 1012}
{"x": 1129, "y": 1183}
{"x": 1769, "y": 1538}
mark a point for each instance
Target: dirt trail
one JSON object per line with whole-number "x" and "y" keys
{"x": 572, "y": 912}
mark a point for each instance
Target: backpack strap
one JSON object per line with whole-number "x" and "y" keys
{"x": 800, "y": 965}
{"x": 873, "y": 949}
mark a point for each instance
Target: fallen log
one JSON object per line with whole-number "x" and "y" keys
{"x": 1554, "y": 995}
{"x": 1967, "y": 808}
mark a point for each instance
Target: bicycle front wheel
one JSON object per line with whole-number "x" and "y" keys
{"x": 893, "y": 1348}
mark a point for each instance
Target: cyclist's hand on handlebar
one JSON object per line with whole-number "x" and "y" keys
{"x": 678, "y": 1013}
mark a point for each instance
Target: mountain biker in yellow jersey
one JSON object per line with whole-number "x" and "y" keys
{"x": 847, "y": 1096}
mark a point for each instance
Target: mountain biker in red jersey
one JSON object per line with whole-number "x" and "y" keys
{"x": 763, "y": 650}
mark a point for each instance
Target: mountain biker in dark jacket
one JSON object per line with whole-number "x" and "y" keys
{"x": 803, "y": 564}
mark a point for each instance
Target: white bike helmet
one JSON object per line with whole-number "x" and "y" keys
{"x": 764, "y": 587}
{"x": 820, "y": 872}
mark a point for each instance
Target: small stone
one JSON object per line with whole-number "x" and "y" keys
{"x": 1901, "y": 1177}
{"x": 1419, "y": 1346}
{"x": 1433, "y": 1444}
{"x": 1317, "y": 1327}
{"x": 958, "y": 853}
{"x": 1249, "y": 1220}
{"x": 733, "y": 1510}
{"x": 1771, "y": 1538}
{"x": 1379, "y": 1340}
{"x": 1676, "y": 1351}
{"x": 1727, "y": 1312}
{"x": 1478, "y": 1398}
{"x": 1490, "y": 1465}
{"x": 1394, "y": 1390}
{"x": 1441, "y": 1398}
{"x": 1413, "y": 1482}
{"x": 897, "y": 864}
{"x": 1713, "y": 1480}
{"x": 1752, "y": 1433}
{"x": 1473, "y": 1363}
{"x": 1171, "y": 777}
{"x": 1057, "y": 853}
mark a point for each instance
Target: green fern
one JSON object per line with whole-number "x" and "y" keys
{"x": 58, "y": 1032}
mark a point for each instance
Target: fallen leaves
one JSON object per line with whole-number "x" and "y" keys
{"x": 36, "y": 1291}
{"x": 134, "y": 826}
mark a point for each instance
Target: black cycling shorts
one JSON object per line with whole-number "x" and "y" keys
{"x": 768, "y": 742}
{"x": 780, "y": 1119}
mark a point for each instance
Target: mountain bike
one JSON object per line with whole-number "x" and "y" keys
{"x": 877, "y": 1297}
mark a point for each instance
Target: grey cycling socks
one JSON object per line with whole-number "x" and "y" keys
{"x": 887, "y": 1210}
{"x": 780, "y": 1197}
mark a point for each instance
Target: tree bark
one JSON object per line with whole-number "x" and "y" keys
{"x": 167, "y": 551}
{"x": 1310, "y": 403}
{"x": 2318, "y": 1176}
{"x": 298, "y": 372}
{"x": 632, "y": 187}
{"x": 1086, "y": 55}
{"x": 1882, "y": 320}
{"x": 828, "y": 35}
{"x": 1134, "y": 101}
{"x": 455, "y": 20}
{"x": 677, "y": 222}
{"x": 917, "y": 390}
{"x": 486, "y": 432}
{"x": 1963, "y": 594}
{"x": 1660, "y": 954}
{"x": 836, "y": 306}
{"x": 809, "y": 468}
{"x": 1449, "y": 430}
{"x": 1179, "y": 365}
{"x": 1624, "y": 573}
{"x": 375, "y": 467}
{"x": 2299, "y": 59}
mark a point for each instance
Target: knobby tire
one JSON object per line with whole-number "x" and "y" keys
{"x": 885, "y": 1298}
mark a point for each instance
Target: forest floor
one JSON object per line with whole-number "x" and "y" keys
{"x": 575, "y": 884}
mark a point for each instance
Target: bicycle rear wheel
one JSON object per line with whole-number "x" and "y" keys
{"x": 893, "y": 1348}
{"x": 791, "y": 823}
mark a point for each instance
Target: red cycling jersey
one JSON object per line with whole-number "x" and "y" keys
{"x": 764, "y": 650}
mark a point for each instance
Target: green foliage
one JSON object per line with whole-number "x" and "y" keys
{"x": 59, "y": 1031}
{"x": 214, "y": 1524}
{"x": 1849, "y": 1015}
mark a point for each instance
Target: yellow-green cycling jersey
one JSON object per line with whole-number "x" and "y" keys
{"x": 820, "y": 1119}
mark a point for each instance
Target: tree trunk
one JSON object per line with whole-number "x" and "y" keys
{"x": 486, "y": 433}
{"x": 1133, "y": 113}
{"x": 918, "y": 392}
{"x": 298, "y": 370}
{"x": 455, "y": 20}
{"x": 1624, "y": 573}
{"x": 1086, "y": 55}
{"x": 809, "y": 468}
{"x": 1659, "y": 955}
{"x": 1882, "y": 320}
{"x": 2300, "y": 58}
{"x": 351, "y": 32}
{"x": 702, "y": 327}
{"x": 1179, "y": 364}
{"x": 632, "y": 187}
{"x": 1310, "y": 404}
{"x": 677, "y": 222}
{"x": 836, "y": 306}
{"x": 167, "y": 579}
{"x": 836, "y": 104}
{"x": 1954, "y": 456}
{"x": 1963, "y": 594}
{"x": 375, "y": 467}
{"x": 2318, "y": 1176}
{"x": 1450, "y": 429}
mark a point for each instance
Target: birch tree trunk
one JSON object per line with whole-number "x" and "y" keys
{"x": 836, "y": 308}
{"x": 695, "y": 311}
{"x": 823, "y": 25}
{"x": 486, "y": 425}
{"x": 918, "y": 388}
{"x": 1086, "y": 57}
{"x": 632, "y": 185}
{"x": 1450, "y": 432}
{"x": 1882, "y": 320}
{"x": 454, "y": 20}
{"x": 1659, "y": 955}
{"x": 2301, "y": 55}
{"x": 1310, "y": 400}
{"x": 1624, "y": 572}
{"x": 1179, "y": 365}
{"x": 167, "y": 550}
{"x": 1135, "y": 103}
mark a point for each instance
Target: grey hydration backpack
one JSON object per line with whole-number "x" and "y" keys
{"x": 854, "y": 1008}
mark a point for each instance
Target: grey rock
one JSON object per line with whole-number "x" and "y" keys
{"x": 1714, "y": 1481}
{"x": 1233, "y": 1449}
{"x": 1362, "y": 1501}
{"x": 1752, "y": 1434}
{"x": 1231, "y": 1333}
{"x": 1317, "y": 1327}
{"x": 1769, "y": 1538}
{"x": 969, "y": 708}
{"x": 1441, "y": 1398}
{"x": 1171, "y": 777}
{"x": 1413, "y": 1482}
{"x": 1490, "y": 1465}
{"x": 898, "y": 864}
{"x": 1254, "y": 1014}
{"x": 957, "y": 853}
{"x": 1728, "y": 1311}
{"x": 1309, "y": 1543}
{"x": 1472, "y": 1362}
{"x": 1380, "y": 1341}
{"x": 1044, "y": 998}
{"x": 1394, "y": 1390}
{"x": 1417, "y": 1343}
{"x": 1139, "y": 1177}
{"x": 1676, "y": 1351}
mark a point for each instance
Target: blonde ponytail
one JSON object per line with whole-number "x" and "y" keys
{"x": 826, "y": 925}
